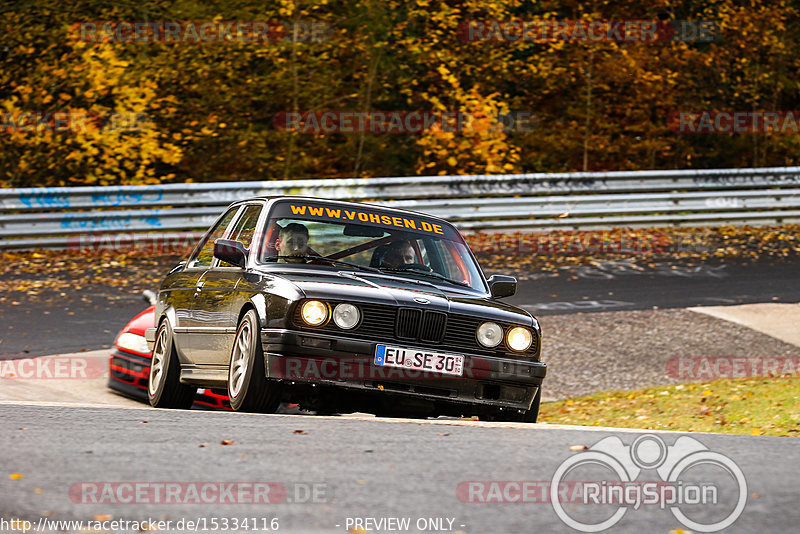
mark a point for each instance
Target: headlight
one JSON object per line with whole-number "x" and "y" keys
{"x": 134, "y": 342}
{"x": 315, "y": 312}
{"x": 519, "y": 338}
{"x": 490, "y": 334}
{"x": 346, "y": 316}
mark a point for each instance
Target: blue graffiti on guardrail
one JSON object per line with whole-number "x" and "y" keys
{"x": 47, "y": 197}
{"x": 153, "y": 194}
{"x": 80, "y": 221}
{"x": 62, "y": 197}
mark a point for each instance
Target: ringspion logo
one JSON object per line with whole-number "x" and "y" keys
{"x": 705, "y": 490}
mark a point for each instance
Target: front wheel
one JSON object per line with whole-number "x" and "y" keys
{"x": 248, "y": 388}
{"x": 532, "y": 415}
{"x": 164, "y": 389}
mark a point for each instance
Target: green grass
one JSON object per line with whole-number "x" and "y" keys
{"x": 767, "y": 406}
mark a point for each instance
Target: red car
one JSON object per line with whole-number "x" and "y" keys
{"x": 129, "y": 364}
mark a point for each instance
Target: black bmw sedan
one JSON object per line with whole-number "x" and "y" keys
{"x": 342, "y": 307}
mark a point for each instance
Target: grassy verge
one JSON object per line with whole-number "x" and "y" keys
{"x": 767, "y": 406}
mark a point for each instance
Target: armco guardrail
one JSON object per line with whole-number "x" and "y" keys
{"x": 56, "y": 217}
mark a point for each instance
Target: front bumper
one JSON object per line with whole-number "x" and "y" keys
{"x": 128, "y": 373}
{"x": 309, "y": 357}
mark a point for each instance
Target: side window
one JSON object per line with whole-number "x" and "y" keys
{"x": 206, "y": 254}
{"x": 246, "y": 225}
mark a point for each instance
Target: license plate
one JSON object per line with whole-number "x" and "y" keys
{"x": 419, "y": 360}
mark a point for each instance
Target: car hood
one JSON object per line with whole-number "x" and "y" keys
{"x": 396, "y": 291}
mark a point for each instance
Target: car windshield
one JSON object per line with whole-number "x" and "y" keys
{"x": 369, "y": 239}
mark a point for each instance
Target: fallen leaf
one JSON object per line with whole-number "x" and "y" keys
{"x": 103, "y": 517}
{"x": 38, "y": 491}
{"x": 380, "y": 387}
{"x": 299, "y": 432}
{"x": 578, "y": 447}
{"x": 15, "y": 476}
{"x": 203, "y": 445}
{"x": 443, "y": 434}
{"x": 226, "y": 442}
{"x": 756, "y": 495}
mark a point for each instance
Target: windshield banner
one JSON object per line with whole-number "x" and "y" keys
{"x": 366, "y": 217}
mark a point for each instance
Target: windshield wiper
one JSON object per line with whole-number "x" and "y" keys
{"x": 425, "y": 273}
{"x": 329, "y": 260}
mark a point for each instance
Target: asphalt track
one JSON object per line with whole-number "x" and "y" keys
{"x": 69, "y": 324}
{"x": 336, "y": 470}
{"x": 363, "y": 468}
{"x": 626, "y": 285}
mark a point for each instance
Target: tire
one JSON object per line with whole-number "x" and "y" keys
{"x": 529, "y": 416}
{"x": 532, "y": 415}
{"x": 164, "y": 389}
{"x": 249, "y": 390}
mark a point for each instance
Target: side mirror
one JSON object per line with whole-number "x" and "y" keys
{"x": 230, "y": 251}
{"x": 502, "y": 286}
{"x": 149, "y": 297}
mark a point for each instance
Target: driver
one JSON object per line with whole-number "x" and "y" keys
{"x": 398, "y": 254}
{"x": 292, "y": 241}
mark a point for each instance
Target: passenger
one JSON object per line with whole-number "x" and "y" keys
{"x": 292, "y": 241}
{"x": 398, "y": 254}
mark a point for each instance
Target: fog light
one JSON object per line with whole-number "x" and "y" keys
{"x": 314, "y": 312}
{"x": 346, "y": 316}
{"x": 519, "y": 339}
{"x": 490, "y": 334}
